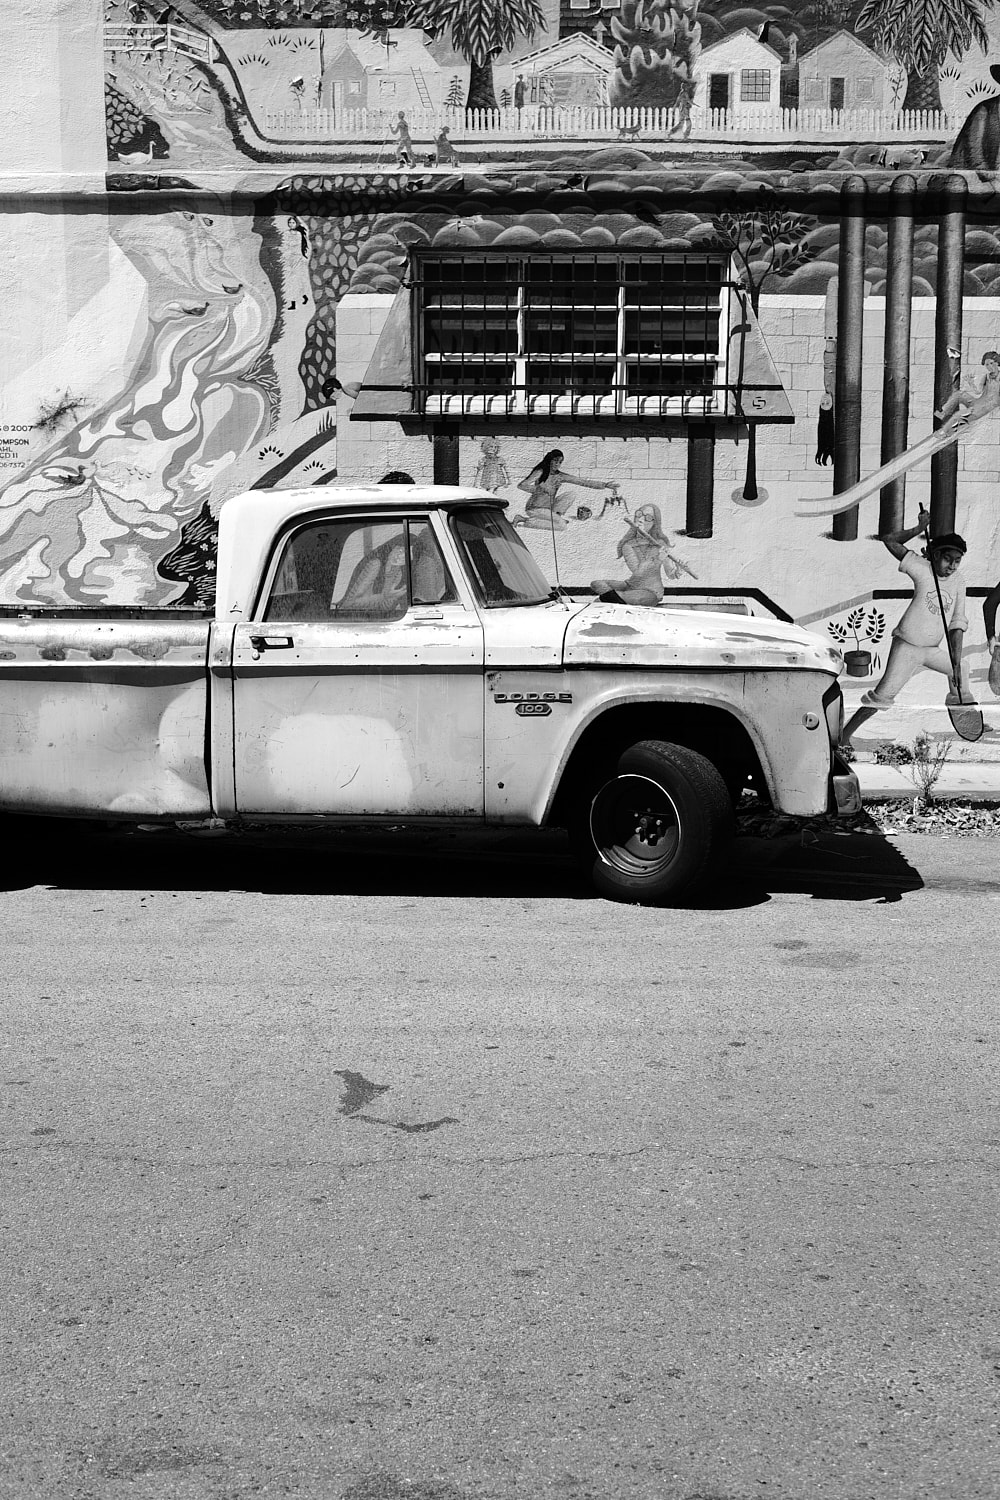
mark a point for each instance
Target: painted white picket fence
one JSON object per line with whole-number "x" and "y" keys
{"x": 166, "y": 38}
{"x": 603, "y": 123}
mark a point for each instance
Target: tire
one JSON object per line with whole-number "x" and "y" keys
{"x": 657, "y": 829}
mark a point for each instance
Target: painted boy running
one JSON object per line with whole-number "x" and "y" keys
{"x": 916, "y": 640}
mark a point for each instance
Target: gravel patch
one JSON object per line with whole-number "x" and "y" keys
{"x": 942, "y": 817}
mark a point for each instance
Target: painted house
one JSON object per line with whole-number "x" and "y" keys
{"x": 367, "y": 74}
{"x": 344, "y": 83}
{"x": 739, "y": 73}
{"x": 842, "y": 73}
{"x": 574, "y": 71}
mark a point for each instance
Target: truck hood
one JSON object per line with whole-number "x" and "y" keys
{"x": 636, "y": 636}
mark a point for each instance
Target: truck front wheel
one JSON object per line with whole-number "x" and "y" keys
{"x": 657, "y": 828}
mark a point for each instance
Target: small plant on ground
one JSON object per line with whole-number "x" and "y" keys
{"x": 891, "y": 753}
{"x": 925, "y": 767}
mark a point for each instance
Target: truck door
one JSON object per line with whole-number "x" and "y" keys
{"x": 358, "y": 688}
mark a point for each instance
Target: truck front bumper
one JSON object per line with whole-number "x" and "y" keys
{"x": 845, "y": 789}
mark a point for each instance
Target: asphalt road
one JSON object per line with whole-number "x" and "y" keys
{"x": 408, "y": 1170}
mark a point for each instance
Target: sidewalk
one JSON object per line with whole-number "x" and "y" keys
{"x": 971, "y": 771}
{"x": 967, "y": 780}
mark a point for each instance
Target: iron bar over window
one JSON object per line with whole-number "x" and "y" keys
{"x": 528, "y": 333}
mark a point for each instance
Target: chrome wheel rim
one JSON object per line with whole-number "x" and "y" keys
{"x": 635, "y": 826}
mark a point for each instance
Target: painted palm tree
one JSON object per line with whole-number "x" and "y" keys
{"x": 480, "y": 30}
{"x": 918, "y": 34}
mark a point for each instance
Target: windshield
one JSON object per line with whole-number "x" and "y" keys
{"x": 504, "y": 570}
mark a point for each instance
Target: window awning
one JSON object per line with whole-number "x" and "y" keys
{"x": 753, "y": 393}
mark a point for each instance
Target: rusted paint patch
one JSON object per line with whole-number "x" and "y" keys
{"x": 746, "y": 635}
{"x": 53, "y": 653}
{"x": 102, "y": 653}
{"x": 8, "y": 655}
{"x": 599, "y": 629}
{"x": 728, "y": 655}
{"x": 151, "y": 650}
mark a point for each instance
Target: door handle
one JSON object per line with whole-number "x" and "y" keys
{"x": 262, "y": 643}
{"x": 427, "y": 614}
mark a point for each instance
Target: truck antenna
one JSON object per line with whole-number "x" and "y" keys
{"x": 555, "y": 560}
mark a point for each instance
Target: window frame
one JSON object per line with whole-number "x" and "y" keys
{"x": 751, "y": 81}
{"x": 402, "y": 520}
{"x": 517, "y": 399}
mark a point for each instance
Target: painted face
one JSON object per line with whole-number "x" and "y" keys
{"x": 992, "y": 369}
{"x": 946, "y": 561}
{"x": 645, "y": 516}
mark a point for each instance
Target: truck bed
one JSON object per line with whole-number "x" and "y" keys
{"x": 104, "y": 712}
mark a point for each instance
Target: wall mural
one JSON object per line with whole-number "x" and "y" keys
{"x": 431, "y": 84}
{"x": 351, "y": 132}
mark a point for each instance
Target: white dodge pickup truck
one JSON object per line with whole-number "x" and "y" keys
{"x": 394, "y": 655}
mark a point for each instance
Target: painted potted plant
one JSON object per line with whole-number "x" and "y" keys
{"x": 864, "y": 626}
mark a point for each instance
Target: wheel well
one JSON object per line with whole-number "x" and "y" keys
{"x": 713, "y": 732}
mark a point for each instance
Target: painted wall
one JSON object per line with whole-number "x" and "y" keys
{"x": 763, "y": 544}
{"x": 216, "y": 84}
{"x": 186, "y": 298}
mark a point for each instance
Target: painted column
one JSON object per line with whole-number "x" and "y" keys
{"x": 850, "y": 317}
{"x": 700, "y": 479}
{"x": 445, "y": 456}
{"x": 948, "y": 332}
{"x": 896, "y": 378}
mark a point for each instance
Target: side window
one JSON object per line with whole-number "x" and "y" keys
{"x": 429, "y": 578}
{"x": 357, "y": 569}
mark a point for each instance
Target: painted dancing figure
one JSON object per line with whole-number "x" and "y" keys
{"x": 990, "y": 605}
{"x": 916, "y": 640}
{"x": 491, "y": 471}
{"x": 546, "y": 507}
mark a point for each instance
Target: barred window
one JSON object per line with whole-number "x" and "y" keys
{"x": 528, "y": 333}
{"x": 755, "y": 86}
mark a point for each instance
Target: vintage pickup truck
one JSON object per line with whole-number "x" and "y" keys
{"x": 393, "y": 654}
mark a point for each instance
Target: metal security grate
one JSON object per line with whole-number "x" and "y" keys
{"x": 601, "y": 334}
